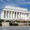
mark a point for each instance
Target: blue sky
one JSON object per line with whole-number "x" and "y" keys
{"x": 18, "y": 3}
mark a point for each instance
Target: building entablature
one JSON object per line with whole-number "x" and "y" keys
{"x": 6, "y": 9}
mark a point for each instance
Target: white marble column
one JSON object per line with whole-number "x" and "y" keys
{"x": 11, "y": 14}
{"x": 3, "y": 14}
{"x": 16, "y": 15}
{"x": 19, "y": 15}
{"x": 6, "y": 14}
{"x": 22, "y": 15}
{"x": 28, "y": 15}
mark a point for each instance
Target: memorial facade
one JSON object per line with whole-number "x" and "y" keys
{"x": 15, "y": 13}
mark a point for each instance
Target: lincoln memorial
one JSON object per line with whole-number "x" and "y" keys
{"x": 15, "y": 13}
{"x": 11, "y": 14}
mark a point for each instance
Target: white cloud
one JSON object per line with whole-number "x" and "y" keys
{"x": 20, "y": 0}
{"x": 26, "y": 3}
{"x": 21, "y": 3}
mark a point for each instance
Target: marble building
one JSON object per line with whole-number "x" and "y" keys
{"x": 15, "y": 13}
